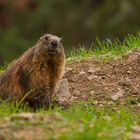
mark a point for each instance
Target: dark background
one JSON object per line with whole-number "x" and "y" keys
{"x": 22, "y": 22}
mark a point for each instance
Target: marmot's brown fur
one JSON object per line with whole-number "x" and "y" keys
{"x": 37, "y": 71}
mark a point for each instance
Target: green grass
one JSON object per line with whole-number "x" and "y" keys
{"x": 107, "y": 48}
{"x": 84, "y": 120}
{"x": 81, "y": 121}
{"x": 99, "y": 123}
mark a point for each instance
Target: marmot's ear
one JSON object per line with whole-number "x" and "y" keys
{"x": 43, "y": 36}
{"x": 61, "y": 39}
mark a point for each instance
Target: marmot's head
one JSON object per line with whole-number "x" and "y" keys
{"x": 49, "y": 45}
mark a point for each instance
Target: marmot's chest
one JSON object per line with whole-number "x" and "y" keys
{"x": 42, "y": 75}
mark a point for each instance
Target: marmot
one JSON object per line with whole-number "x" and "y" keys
{"x": 38, "y": 70}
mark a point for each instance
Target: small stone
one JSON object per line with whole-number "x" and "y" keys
{"x": 116, "y": 96}
{"x": 69, "y": 69}
{"x": 110, "y": 103}
{"x": 92, "y": 92}
{"x": 132, "y": 58}
{"x": 128, "y": 72}
{"x": 6, "y": 134}
{"x": 95, "y": 102}
{"x": 90, "y": 77}
{"x": 76, "y": 93}
{"x": 136, "y": 128}
{"x": 72, "y": 99}
{"x": 26, "y": 116}
{"x": 100, "y": 105}
{"x": 106, "y": 88}
{"x": 82, "y": 72}
{"x": 134, "y": 136}
{"x": 93, "y": 69}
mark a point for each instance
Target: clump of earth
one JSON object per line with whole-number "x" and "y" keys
{"x": 117, "y": 80}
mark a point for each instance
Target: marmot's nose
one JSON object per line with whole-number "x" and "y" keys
{"x": 54, "y": 43}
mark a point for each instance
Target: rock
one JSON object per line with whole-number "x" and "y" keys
{"x": 69, "y": 69}
{"x": 136, "y": 128}
{"x": 131, "y": 58}
{"x": 100, "y": 105}
{"x": 6, "y": 134}
{"x": 110, "y": 103}
{"x": 128, "y": 72}
{"x": 76, "y": 93}
{"x": 93, "y": 69}
{"x": 116, "y": 96}
{"x": 26, "y": 116}
{"x": 82, "y": 72}
{"x": 73, "y": 98}
{"x": 92, "y": 92}
{"x": 135, "y": 134}
{"x": 90, "y": 77}
{"x": 62, "y": 91}
{"x": 95, "y": 102}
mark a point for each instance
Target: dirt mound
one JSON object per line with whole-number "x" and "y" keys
{"x": 116, "y": 80}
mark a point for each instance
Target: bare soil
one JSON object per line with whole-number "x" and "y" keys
{"x": 115, "y": 81}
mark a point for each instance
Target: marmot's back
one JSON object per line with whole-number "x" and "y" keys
{"x": 39, "y": 68}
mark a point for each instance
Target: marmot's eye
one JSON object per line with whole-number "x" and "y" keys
{"x": 46, "y": 38}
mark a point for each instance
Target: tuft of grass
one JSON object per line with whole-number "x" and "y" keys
{"x": 82, "y": 121}
{"x": 3, "y": 67}
{"x": 106, "y": 48}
